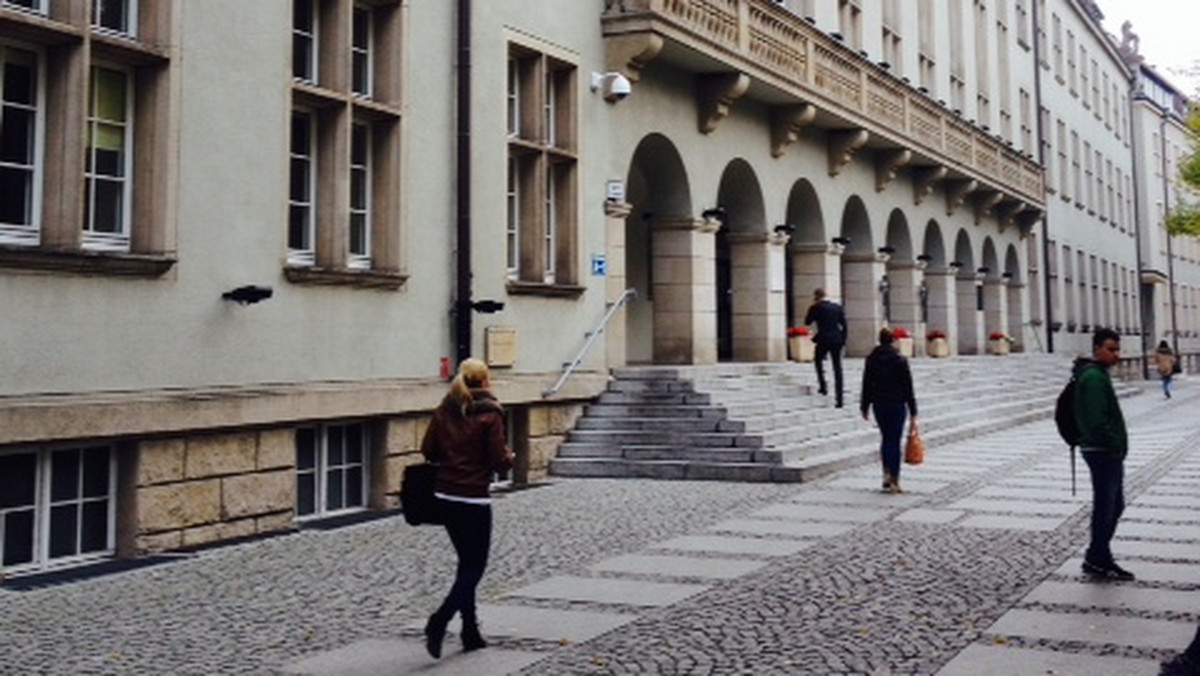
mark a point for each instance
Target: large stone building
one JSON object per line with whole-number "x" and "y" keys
{"x": 241, "y": 242}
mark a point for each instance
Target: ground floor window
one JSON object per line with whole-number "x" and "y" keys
{"x": 331, "y": 469}
{"x": 56, "y": 506}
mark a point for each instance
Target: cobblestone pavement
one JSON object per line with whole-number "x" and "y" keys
{"x": 973, "y": 571}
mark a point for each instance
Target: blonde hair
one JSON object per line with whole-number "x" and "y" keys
{"x": 472, "y": 373}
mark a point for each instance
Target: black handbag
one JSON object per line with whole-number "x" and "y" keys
{"x": 417, "y": 501}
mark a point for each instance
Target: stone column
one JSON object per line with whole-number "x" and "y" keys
{"x": 757, "y": 280}
{"x": 861, "y": 274}
{"x": 905, "y": 279}
{"x": 943, "y": 312}
{"x": 615, "y": 280}
{"x": 685, "y": 300}
{"x": 970, "y": 319}
{"x": 814, "y": 266}
{"x": 1015, "y": 297}
{"x": 995, "y": 305}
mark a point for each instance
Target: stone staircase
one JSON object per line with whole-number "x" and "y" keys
{"x": 765, "y": 422}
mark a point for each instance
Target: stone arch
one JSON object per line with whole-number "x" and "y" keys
{"x": 968, "y": 297}
{"x": 940, "y": 310}
{"x": 900, "y": 290}
{"x": 1016, "y": 294}
{"x": 862, "y": 270}
{"x": 750, "y": 304}
{"x": 810, "y": 259}
{"x": 660, "y": 212}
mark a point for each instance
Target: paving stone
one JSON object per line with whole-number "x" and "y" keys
{"x": 377, "y": 657}
{"x": 921, "y": 515}
{"x": 678, "y": 566}
{"x": 1056, "y": 494}
{"x": 994, "y": 505}
{"x": 822, "y": 513}
{"x": 1158, "y": 531}
{"x": 1115, "y": 596}
{"x": 1148, "y": 571}
{"x": 1150, "y": 548}
{"x": 1026, "y": 522}
{"x": 1145, "y": 513}
{"x": 548, "y": 624}
{"x": 799, "y": 529}
{"x": 993, "y": 660}
{"x": 1094, "y": 628}
{"x": 720, "y": 544}
{"x": 856, "y": 497}
{"x": 605, "y": 590}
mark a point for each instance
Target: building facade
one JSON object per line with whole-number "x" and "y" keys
{"x": 241, "y": 244}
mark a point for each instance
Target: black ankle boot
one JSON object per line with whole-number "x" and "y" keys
{"x": 471, "y": 638}
{"x": 435, "y": 632}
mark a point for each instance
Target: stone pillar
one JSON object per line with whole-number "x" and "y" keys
{"x": 905, "y": 280}
{"x": 861, "y": 274}
{"x": 615, "y": 281}
{"x": 814, "y": 266}
{"x": 943, "y": 312}
{"x": 995, "y": 305}
{"x": 757, "y": 279}
{"x": 685, "y": 300}
{"x": 970, "y": 319}
{"x": 1015, "y": 297}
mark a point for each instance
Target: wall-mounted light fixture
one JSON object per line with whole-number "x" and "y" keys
{"x": 784, "y": 229}
{"x": 487, "y": 307}
{"x": 887, "y": 250}
{"x": 955, "y": 265}
{"x": 715, "y": 214}
{"x": 984, "y": 270}
{"x": 248, "y": 295}
{"x": 1006, "y": 275}
{"x": 924, "y": 258}
{"x": 841, "y": 241}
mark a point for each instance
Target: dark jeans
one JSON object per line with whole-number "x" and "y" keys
{"x": 1108, "y": 502}
{"x": 890, "y": 418}
{"x": 835, "y": 356}
{"x": 470, "y": 530}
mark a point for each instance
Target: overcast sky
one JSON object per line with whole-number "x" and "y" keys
{"x": 1168, "y": 32}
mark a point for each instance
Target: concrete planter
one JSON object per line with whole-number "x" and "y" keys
{"x": 998, "y": 347}
{"x": 801, "y": 348}
{"x": 938, "y": 347}
{"x": 905, "y": 346}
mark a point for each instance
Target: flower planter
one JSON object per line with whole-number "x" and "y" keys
{"x": 998, "y": 347}
{"x": 938, "y": 347}
{"x": 801, "y": 348}
{"x": 904, "y": 346}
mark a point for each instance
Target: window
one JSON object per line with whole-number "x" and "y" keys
{"x": 927, "y": 37}
{"x": 106, "y": 177}
{"x": 850, "y": 18}
{"x": 115, "y": 15}
{"x": 331, "y": 469}
{"x": 20, "y": 113}
{"x": 542, "y": 171}
{"x": 56, "y": 506}
{"x": 893, "y": 48}
{"x": 77, "y": 198}
{"x": 344, "y": 204}
{"x": 1056, "y": 40}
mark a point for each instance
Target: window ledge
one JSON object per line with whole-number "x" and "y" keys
{"x": 86, "y": 262}
{"x": 519, "y": 288}
{"x": 362, "y": 279}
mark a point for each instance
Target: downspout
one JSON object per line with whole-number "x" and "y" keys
{"x": 462, "y": 305}
{"x": 1134, "y": 97}
{"x": 1047, "y": 285}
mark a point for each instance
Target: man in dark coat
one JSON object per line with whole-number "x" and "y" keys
{"x": 830, "y": 339}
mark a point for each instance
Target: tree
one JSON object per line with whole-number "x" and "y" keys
{"x": 1184, "y": 217}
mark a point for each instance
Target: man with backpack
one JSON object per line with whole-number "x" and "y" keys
{"x": 1104, "y": 443}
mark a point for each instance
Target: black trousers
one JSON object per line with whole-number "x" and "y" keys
{"x": 470, "y": 530}
{"x": 835, "y": 357}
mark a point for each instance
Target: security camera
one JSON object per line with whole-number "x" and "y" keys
{"x": 613, "y": 86}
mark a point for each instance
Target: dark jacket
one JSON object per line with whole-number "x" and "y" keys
{"x": 467, "y": 447}
{"x": 1101, "y": 424}
{"x": 887, "y": 380}
{"x": 830, "y": 320}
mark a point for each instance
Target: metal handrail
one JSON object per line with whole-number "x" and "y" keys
{"x": 626, "y": 296}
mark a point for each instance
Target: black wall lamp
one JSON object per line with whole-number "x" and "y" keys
{"x": 785, "y": 229}
{"x": 984, "y": 270}
{"x": 887, "y": 250}
{"x": 955, "y": 265}
{"x": 248, "y": 295}
{"x": 925, "y": 258}
{"x": 841, "y": 241}
{"x": 714, "y": 214}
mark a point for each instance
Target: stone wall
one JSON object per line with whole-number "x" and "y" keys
{"x": 548, "y": 427}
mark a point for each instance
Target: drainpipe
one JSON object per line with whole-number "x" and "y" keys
{"x": 1162, "y": 140}
{"x": 1134, "y": 97}
{"x": 462, "y": 305}
{"x": 1048, "y": 287}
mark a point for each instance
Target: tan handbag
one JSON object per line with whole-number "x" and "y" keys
{"x": 914, "y": 449}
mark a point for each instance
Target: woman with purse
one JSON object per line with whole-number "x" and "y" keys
{"x": 888, "y": 389}
{"x": 466, "y": 440}
{"x": 1164, "y": 361}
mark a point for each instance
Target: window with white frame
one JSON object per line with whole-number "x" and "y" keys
{"x": 542, "y": 169}
{"x": 106, "y": 173}
{"x": 304, "y": 40}
{"x": 331, "y": 469}
{"x": 35, "y": 5}
{"x": 20, "y": 130}
{"x": 302, "y": 198}
{"x": 115, "y": 15}
{"x": 56, "y": 506}
{"x": 360, "y": 196}
{"x": 361, "y": 75}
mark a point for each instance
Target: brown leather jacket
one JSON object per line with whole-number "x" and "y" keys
{"x": 468, "y": 449}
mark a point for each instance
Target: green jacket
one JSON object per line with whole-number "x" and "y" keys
{"x": 1101, "y": 425}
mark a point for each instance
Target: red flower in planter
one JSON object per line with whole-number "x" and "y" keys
{"x": 901, "y": 332}
{"x": 935, "y": 334}
{"x": 996, "y": 335}
{"x": 797, "y": 331}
